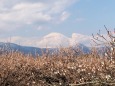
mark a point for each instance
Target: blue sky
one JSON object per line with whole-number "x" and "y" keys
{"x": 36, "y": 18}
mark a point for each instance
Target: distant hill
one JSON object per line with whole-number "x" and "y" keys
{"x": 7, "y": 47}
{"x": 24, "y": 49}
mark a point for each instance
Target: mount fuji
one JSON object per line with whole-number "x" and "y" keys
{"x": 51, "y": 41}
{"x": 54, "y": 40}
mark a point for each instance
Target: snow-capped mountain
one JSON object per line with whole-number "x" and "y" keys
{"x": 54, "y": 40}
{"x": 79, "y": 38}
{"x": 51, "y": 41}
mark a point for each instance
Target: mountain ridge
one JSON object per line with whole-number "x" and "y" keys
{"x": 7, "y": 47}
{"x": 54, "y": 40}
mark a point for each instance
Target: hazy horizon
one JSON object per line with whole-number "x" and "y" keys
{"x": 27, "y": 21}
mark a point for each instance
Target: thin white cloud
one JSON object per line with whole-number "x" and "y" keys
{"x": 64, "y": 16}
{"x": 25, "y": 41}
{"x": 18, "y": 13}
{"x": 24, "y": 13}
{"x": 42, "y": 28}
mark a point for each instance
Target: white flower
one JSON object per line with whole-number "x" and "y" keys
{"x": 80, "y": 65}
{"x": 106, "y": 54}
{"x": 60, "y": 83}
{"x": 33, "y": 82}
{"x": 56, "y": 72}
{"x": 111, "y": 48}
{"x": 107, "y": 77}
{"x": 113, "y": 39}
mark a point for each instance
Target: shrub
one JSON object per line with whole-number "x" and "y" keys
{"x": 60, "y": 69}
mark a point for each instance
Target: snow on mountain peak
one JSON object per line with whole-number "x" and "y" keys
{"x": 54, "y": 35}
{"x": 54, "y": 40}
{"x": 76, "y": 35}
